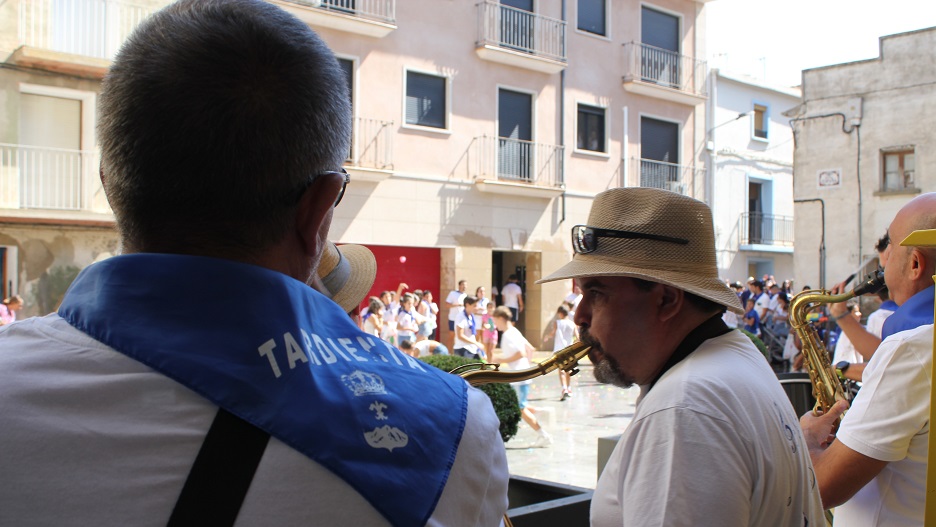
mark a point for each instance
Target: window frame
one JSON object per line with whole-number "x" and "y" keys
{"x": 901, "y": 152}
{"x": 607, "y": 21}
{"x": 765, "y": 118}
{"x": 88, "y": 101}
{"x": 447, "y": 114}
{"x": 592, "y": 109}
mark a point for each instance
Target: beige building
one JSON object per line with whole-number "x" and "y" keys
{"x": 482, "y": 131}
{"x": 864, "y": 147}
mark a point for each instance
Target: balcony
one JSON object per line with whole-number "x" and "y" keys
{"x": 78, "y": 37}
{"x": 765, "y": 232}
{"x": 371, "y": 150}
{"x": 50, "y": 179}
{"x": 663, "y": 74}
{"x": 667, "y": 176}
{"x": 371, "y": 18}
{"x": 520, "y": 38}
{"x": 521, "y": 168}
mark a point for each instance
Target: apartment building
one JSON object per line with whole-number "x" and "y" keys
{"x": 483, "y": 130}
{"x": 864, "y": 148}
{"x": 750, "y": 149}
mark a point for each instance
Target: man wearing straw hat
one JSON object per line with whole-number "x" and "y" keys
{"x": 714, "y": 439}
{"x": 197, "y": 379}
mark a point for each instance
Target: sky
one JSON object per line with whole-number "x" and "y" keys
{"x": 774, "y": 40}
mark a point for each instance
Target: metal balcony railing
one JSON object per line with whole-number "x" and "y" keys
{"x": 649, "y": 64}
{"x": 372, "y": 145}
{"x": 91, "y": 28}
{"x": 757, "y": 228}
{"x": 518, "y": 161}
{"x": 667, "y": 176}
{"x": 523, "y": 31}
{"x": 47, "y": 178}
{"x": 377, "y": 10}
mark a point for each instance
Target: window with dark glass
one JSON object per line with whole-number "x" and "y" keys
{"x": 591, "y": 16}
{"x": 591, "y": 128}
{"x": 425, "y": 100}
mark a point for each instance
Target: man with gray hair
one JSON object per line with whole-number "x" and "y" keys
{"x": 714, "y": 439}
{"x": 198, "y": 378}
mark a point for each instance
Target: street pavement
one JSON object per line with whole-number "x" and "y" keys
{"x": 594, "y": 411}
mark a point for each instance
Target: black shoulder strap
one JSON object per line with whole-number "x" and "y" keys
{"x": 221, "y": 475}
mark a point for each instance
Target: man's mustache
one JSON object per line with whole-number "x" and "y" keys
{"x": 596, "y": 352}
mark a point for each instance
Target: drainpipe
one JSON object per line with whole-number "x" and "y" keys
{"x": 562, "y": 117}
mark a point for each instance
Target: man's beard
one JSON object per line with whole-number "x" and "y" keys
{"x": 607, "y": 370}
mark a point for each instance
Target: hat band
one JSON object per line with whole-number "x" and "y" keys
{"x": 336, "y": 279}
{"x": 654, "y": 265}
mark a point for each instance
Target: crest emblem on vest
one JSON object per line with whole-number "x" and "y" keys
{"x": 363, "y": 383}
{"x": 386, "y": 436}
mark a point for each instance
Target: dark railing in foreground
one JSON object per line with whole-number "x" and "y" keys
{"x": 757, "y": 228}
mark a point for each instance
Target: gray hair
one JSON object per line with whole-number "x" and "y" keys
{"x": 214, "y": 118}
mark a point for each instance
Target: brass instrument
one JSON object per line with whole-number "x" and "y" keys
{"x": 827, "y": 388}
{"x": 565, "y": 359}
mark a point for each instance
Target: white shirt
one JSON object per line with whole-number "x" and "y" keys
{"x": 455, "y": 297}
{"x": 89, "y": 436}
{"x": 714, "y": 442}
{"x": 889, "y": 421}
{"x": 511, "y": 295}
{"x": 845, "y": 350}
{"x": 462, "y": 322}
{"x": 512, "y": 341}
{"x": 762, "y": 305}
{"x": 876, "y": 321}
{"x": 565, "y": 332}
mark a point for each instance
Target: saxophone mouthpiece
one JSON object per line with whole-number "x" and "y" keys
{"x": 872, "y": 284}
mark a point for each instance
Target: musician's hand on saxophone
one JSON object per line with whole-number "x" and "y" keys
{"x": 838, "y": 310}
{"x": 819, "y": 427}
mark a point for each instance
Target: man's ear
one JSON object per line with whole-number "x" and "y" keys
{"x": 918, "y": 264}
{"x": 671, "y": 301}
{"x": 314, "y": 210}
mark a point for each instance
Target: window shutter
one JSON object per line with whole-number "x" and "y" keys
{"x": 425, "y": 100}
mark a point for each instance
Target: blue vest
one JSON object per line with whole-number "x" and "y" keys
{"x": 286, "y": 359}
{"x": 915, "y": 312}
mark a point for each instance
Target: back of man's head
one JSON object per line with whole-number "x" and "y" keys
{"x": 214, "y": 117}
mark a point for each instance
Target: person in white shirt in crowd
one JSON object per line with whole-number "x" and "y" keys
{"x": 512, "y": 296}
{"x": 713, "y": 440}
{"x": 761, "y": 301}
{"x": 372, "y": 319}
{"x": 517, "y": 351}
{"x": 407, "y": 319}
{"x": 773, "y": 292}
{"x": 423, "y": 348}
{"x": 466, "y": 330}
{"x": 487, "y": 331}
{"x": 564, "y": 334}
{"x": 455, "y": 302}
{"x": 429, "y": 311}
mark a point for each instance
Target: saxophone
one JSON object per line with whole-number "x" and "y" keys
{"x": 827, "y": 388}
{"x": 565, "y": 359}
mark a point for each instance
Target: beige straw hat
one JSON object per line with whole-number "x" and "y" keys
{"x": 690, "y": 267}
{"x": 347, "y": 272}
